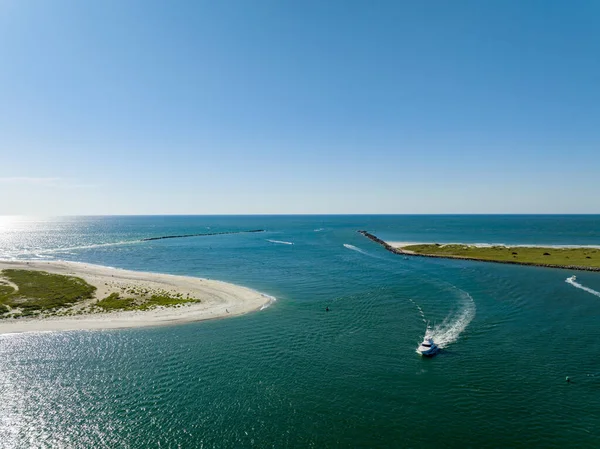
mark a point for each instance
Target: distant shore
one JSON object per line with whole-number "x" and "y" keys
{"x": 569, "y": 257}
{"x": 216, "y": 299}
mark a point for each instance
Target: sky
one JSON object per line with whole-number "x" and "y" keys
{"x": 285, "y": 107}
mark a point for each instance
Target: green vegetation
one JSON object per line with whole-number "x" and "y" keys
{"x": 115, "y": 302}
{"x": 5, "y": 290}
{"x": 167, "y": 300}
{"x": 41, "y": 291}
{"x": 584, "y": 257}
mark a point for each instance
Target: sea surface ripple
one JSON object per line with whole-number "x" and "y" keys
{"x": 296, "y": 375}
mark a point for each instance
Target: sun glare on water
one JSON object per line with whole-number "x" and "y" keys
{"x": 9, "y": 221}
{"x": 10, "y": 231}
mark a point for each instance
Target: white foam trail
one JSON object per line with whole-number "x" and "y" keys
{"x": 582, "y": 287}
{"x": 358, "y": 250}
{"x": 281, "y": 242}
{"x": 420, "y": 310}
{"x": 272, "y": 299}
{"x": 354, "y": 248}
{"x": 41, "y": 256}
{"x": 455, "y": 323}
{"x": 319, "y": 230}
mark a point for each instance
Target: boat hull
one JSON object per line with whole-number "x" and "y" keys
{"x": 429, "y": 352}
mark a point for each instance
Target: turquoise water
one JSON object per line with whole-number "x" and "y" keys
{"x": 294, "y": 375}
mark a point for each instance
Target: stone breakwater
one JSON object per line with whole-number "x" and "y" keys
{"x": 438, "y": 256}
{"x": 199, "y": 235}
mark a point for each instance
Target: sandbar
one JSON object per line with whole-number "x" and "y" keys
{"x": 217, "y": 299}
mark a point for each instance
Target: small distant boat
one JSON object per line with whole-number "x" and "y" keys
{"x": 428, "y": 348}
{"x": 572, "y": 279}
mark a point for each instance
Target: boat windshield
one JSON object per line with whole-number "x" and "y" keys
{"x": 427, "y": 345}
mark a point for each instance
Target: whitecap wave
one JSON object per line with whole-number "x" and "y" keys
{"x": 42, "y": 253}
{"x": 281, "y": 242}
{"x": 582, "y": 287}
{"x": 43, "y": 256}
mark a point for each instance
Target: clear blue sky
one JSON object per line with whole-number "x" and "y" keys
{"x": 252, "y": 106}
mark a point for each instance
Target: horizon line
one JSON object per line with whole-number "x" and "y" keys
{"x": 308, "y": 214}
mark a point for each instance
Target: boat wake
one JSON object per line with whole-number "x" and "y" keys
{"x": 354, "y": 248}
{"x": 281, "y": 242}
{"x": 455, "y": 323}
{"x": 420, "y": 310}
{"x": 576, "y": 284}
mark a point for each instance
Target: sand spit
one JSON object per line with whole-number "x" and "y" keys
{"x": 218, "y": 299}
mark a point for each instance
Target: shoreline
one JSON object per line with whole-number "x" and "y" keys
{"x": 217, "y": 299}
{"x": 398, "y": 244}
{"x": 401, "y": 251}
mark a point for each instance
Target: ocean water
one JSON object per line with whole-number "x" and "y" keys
{"x": 293, "y": 375}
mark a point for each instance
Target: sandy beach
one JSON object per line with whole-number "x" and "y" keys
{"x": 401, "y": 245}
{"x": 218, "y": 299}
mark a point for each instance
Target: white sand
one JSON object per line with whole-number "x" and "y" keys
{"x": 403, "y": 244}
{"x": 218, "y": 299}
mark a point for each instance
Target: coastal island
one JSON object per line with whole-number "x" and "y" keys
{"x": 45, "y": 296}
{"x": 586, "y": 258}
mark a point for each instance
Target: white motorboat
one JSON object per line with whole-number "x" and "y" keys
{"x": 428, "y": 347}
{"x": 572, "y": 279}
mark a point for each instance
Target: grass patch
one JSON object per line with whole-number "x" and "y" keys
{"x": 114, "y": 301}
{"x": 39, "y": 290}
{"x": 3, "y": 309}
{"x": 166, "y": 300}
{"x": 5, "y": 292}
{"x": 584, "y": 257}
